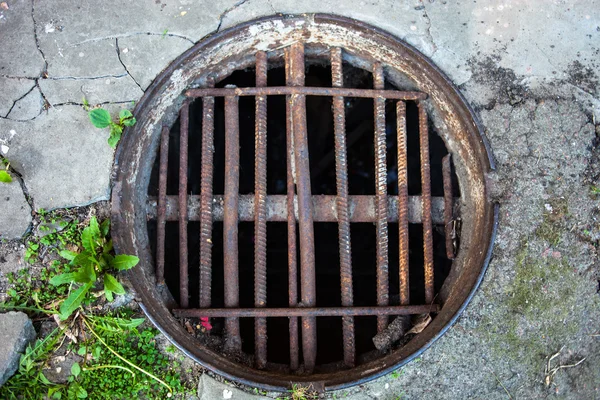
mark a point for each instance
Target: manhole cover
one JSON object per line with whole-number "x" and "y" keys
{"x": 314, "y": 187}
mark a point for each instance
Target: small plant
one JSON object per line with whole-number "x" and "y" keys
{"x": 95, "y": 259}
{"x": 4, "y": 175}
{"x": 595, "y": 190}
{"x": 396, "y": 374}
{"x": 101, "y": 119}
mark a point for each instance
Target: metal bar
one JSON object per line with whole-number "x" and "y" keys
{"x": 381, "y": 197}
{"x": 184, "y": 120}
{"x": 341, "y": 177}
{"x": 230, "y": 221}
{"x": 403, "y": 219}
{"x": 162, "y": 206}
{"x": 260, "y": 214}
{"x": 308, "y": 287}
{"x": 448, "y": 206}
{"x": 426, "y": 199}
{"x": 206, "y": 198}
{"x": 361, "y": 208}
{"x": 306, "y": 311}
{"x": 306, "y": 91}
{"x": 291, "y": 224}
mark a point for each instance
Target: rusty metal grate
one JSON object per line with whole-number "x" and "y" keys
{"x": 301, "y": 209}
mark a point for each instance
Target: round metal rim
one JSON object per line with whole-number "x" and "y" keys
{"x": 130, "y": 236}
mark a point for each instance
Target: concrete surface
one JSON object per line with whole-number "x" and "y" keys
{"x": 16, "y": 331}
{"x": 212, "y": 389}
{"x": 15, "y": 212}
{"x": 529, "y": 68}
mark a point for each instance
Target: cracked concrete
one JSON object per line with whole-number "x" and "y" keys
{"x": 95, "y": 91}
{"x": 13, "y": 89}
{"x": 143, "y": 65}
{"x": 530, "y": 70}
{"x": 55, "y": 177}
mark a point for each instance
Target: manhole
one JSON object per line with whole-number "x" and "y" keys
{"x": 303, "y": 181}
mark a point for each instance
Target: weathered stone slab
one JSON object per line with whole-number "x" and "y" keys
{"x": 12, "y": 89}
{"x": 28, "y": 107}
{"x": 16, "y": 331}
{"x": 19, "y": 55}
{"x": 64, "y": 160}
{"x": 15, "y": 213}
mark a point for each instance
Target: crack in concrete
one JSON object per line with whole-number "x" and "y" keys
{"x": 126, "y": 35}
{"x": 81, "y": 78}
{"x": 74, "y": 103}
{"x": 19, "y": 99}
{"x": 430, "y": 36}
{"x": 124, "y": 66}
{"x": 227, "y": 11}
{"x": 19, "y": 178}
{"x": 44, "y": 71}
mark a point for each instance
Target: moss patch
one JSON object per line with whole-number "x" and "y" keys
{"x": 555, "y": 211}
{"x": 540, "y": 312}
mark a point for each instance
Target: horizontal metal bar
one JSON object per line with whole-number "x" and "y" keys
{"x": 305, "y": 311}
{"x": 361, "y": 208}
{"x": 307, "y": 91}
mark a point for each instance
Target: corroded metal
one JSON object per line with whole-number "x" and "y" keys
{"x": 162, "y": 206}
{"x": 308, "y": 286}
{"x": 403, "y": 218}
{"x": 448, "y": 205}
{"x": 235, "y": 49}
{"x": 206, "y": 198}
{"x": 307, "y": 91}
{"x": 260, "y": 215}
{"x": 291, "y": 226}
{"x": 306, "y": 311}
{"x": 184, "y": 118}
{"x": 426, "y": 199}
{"x": 381, "y": 198}
{"x": 341, "y": 179}
{"x": 361, "y": 208}
{"x": 233, "y": 341}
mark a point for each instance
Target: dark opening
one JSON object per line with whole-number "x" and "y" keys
{"x": 360, "y": 136}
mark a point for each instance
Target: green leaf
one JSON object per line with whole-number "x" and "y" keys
{"x": 43, "y": 379}
{"x": 108, "y": 294}
{"x": 124, "y": 262}
{"x": 116, "y": 129}
{"x": 82, "y": 259}
{"x": 63, "y": 278}
{"x": 85, "y": 274}
{"x": 95, "y": 230}
{"x": 113, "y": 139}
{"x": 129, "y": 122}
{"x": 111, "y": 284}
{"x": 107, "y": 247}
{"x": 87, "y": 240}
{"x": 105, "y": 227}
{"x": 124, "y": 114}
{"x": 75, "y": 369}
{"x": 81, "y": 351}
{"x": 73, "y": 301}
{"x": 81, "y": 393}
{"x": 5, "y": 177}
{"x": 69, "y": 255}
{"x": 100, "y": 118}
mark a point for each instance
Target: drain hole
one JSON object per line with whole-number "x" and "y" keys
{"x": 360, "y": 136}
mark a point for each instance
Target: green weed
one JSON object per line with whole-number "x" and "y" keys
{"x": 4, "y": 175}
{"x": 101, "y": 119}
{"x": 94, "y": 260}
